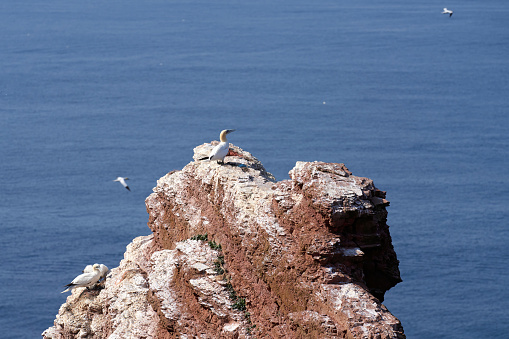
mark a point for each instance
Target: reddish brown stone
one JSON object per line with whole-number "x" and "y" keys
{"x": 311, "y": 257}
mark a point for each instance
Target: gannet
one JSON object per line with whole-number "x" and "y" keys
{"x": 122, "y": 181}
{"x": 447, "y": 11}
{"x": 221, "y": 150}
{"x": 85, "y": 279}
{"x": 102, "y": 268}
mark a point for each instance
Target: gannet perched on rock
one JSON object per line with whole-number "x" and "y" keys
{"x": 85, "y": 279}
{"x": 221, "y": 150}
{"x": 102, "y": 268}
{"x": 447, "y": 11}
{"x": 122, "y": 181}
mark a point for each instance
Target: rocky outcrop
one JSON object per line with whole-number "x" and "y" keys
{"x": 235, "y": 254}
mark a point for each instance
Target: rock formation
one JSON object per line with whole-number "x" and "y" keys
{"x": 235, "y": 254}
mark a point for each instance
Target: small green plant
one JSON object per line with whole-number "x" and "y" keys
{"x": 250, "y": 328}
{"x": 214, "y": 245}
{"x": 239, "y": 304}
{"x": 233, "y": 294}
{"x": 203, "y": 237}
{"x": 219, "y": 265}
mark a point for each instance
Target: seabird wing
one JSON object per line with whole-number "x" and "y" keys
{"x": 125, "y": 185}
{"x": 122, "y": 180}
{"x": 220, "y": 151}
{"x": 84, "y": 280}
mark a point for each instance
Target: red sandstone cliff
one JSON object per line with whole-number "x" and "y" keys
{"x": 235, "y": 254}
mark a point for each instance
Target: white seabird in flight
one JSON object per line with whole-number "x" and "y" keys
{"x": 221, "y": 150}
{"x": 122, "y": 181}
{"x": 85, "y": 279}
{"x": 102, "y": 268}
{"x": 447, "y": 11}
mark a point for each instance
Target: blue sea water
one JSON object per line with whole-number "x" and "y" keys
{"x": 400, "y": 93}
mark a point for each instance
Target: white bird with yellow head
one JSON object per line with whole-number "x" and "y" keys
{"x": 221, "y": 150}
{"x": 85, "y": 279}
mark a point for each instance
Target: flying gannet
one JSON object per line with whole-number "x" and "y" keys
{"x": 447, "y": 11}
{"x": 122, "y": 181}
{"x": 221, "y": 150}
{"x": 85, "y": 279}
{"x": 102, "y": 268}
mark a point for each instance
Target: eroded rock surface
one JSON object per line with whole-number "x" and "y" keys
{"x": 309, "y": 257}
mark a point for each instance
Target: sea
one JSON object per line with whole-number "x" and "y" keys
{"x": 397, "y": 91}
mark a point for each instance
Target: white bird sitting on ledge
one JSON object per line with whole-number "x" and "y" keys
{"x": 122, "y": 181}
{"x": 85, "y": 279}
{"x": 221, "y": 150}
{"x": 103, "y": 268}
{"x": 447, "y": 11}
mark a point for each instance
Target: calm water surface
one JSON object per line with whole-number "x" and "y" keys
{"x": 398, "y": 92}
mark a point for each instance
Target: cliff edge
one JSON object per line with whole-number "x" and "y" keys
{"x": 235, "y": 254}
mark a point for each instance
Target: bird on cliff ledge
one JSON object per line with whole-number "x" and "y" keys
{"x": 102, "y": 268}
{"x": 221, "y": 150}
{"x": 122, "y": 181}
{"x": 85, "y": 279}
